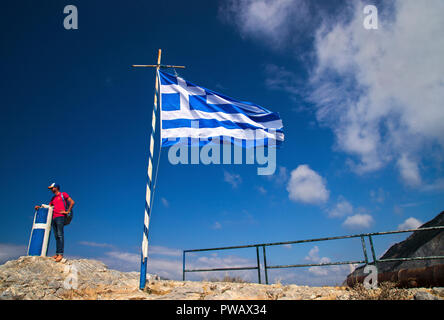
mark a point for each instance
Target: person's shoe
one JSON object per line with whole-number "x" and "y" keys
{"x": 59, "y": 258}
{"x": 55, "y": 256}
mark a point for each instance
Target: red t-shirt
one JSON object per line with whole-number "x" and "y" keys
{"x": 59, "y": 205}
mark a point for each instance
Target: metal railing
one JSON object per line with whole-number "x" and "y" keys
{"x": 267, "y": 267}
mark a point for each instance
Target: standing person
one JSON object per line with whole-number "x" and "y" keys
{"x": 58, "y": 201}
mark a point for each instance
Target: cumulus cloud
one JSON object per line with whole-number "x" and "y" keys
{"x": 313, "y": 254}
{"x": 324, "y": 271}
{"x": 341, "y": 209}
{"x": 410, "y": 223}
{"x": 307, "y": 186}
{"x": 381, "y": 91}
{"x": 265, "y": 19}
{"x": 359, "y": 221}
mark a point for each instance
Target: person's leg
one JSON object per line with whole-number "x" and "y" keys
{"x": 60, "y": 223}
{"x": 54, "y": 230}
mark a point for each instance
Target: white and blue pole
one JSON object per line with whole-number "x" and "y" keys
{"x": 150, "y": 183}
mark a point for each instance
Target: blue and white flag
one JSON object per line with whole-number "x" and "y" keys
{"x": 193, "y": 114}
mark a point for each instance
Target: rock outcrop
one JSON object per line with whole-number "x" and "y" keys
{"x": 38, "y": 278}
{"x": 43, "y": 278}
{"x": 416, "y": 272}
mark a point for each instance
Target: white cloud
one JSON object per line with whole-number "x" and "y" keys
{"x": 165, "y": 251}
{"x": 216, "y": 261}
{"x": 169, "y": 269}
{"x": 359, "y": 221}
{"x": 313, "y": 254}
{"x": 409, "y": 171}
{"x": 119, "y": 260}
{"x": 265, "y": 19}
{"x": 410, "y": 223}
{"x": 324, "y": 271}
{"x": 131, "y": 258}
{"x": 95, "y": 244}
{"x": 318, "y": 271}
{"x": 11, "y": 251}
{"x": 381, "y": 91}
{"x": 341, "y": 209}
{"x": 307, "y": 186}
{"x": 232, "y": 178}
{"x": 129, "y": 261}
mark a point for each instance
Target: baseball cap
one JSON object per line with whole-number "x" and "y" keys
{"x": 54, "y": 185}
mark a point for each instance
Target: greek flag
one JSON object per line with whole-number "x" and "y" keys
{"x": 191, "y": 114}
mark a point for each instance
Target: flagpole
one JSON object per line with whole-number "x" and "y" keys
{"x": 150, "y": 184}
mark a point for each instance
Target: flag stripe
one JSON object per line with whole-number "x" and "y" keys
{"x": 271, "y": 120}
{"x": 220, "y": 140}
{"x": 213, "y": 132}
{"x": 209, "y": 123}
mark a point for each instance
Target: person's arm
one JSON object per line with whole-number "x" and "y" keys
{"x": 71, "y": 204}
{"x": 38, "y": 207}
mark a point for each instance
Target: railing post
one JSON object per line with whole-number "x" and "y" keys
{"x": 183, "y": 266}
{"x": 372, "y": 247}
{"x": 258, "y": 265}
{"x": 265, "y": 265}
{"x": 364, "y": 249}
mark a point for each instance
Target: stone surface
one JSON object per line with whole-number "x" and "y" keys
{"x": 422, "y": 295}
{"x": 38, "y": 278}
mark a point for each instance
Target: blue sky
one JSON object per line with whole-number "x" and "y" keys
{"x": 362, "y": 112}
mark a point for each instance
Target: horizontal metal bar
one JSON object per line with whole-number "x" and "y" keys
{"x": 222, "y": 269}
{"x": 314, "y": 264}
{"x": 401, "y": 231}
{"x": 315, "y": 240}
{"x": 410, "y": 259}
{"x": 222, "y": 248}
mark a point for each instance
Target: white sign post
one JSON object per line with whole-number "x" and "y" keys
{"x": 41, "y": 228}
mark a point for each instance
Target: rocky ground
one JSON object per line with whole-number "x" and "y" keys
{"x": 42, "y": 278}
